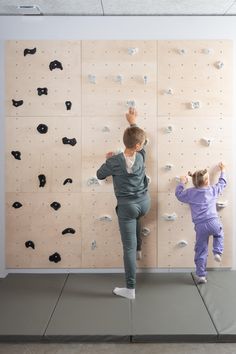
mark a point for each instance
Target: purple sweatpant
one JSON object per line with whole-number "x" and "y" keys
{"x": 213, "y": 228}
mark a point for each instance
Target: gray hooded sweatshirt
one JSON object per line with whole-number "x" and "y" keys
{"x": 128, "y": 187}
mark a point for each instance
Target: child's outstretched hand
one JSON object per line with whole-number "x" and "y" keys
{"x": 109, "y": 154}
{"x": 131, "y": 116}
{"x": 221, "y": 167}
{"x": 183, "y": 179}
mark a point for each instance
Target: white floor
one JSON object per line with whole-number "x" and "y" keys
{"x": 74, "y": 348}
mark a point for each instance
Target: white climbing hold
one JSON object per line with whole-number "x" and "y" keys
{"x": 195, "y": 104}
{"x": 106, "y": 129}
{"x": 92, "y": 79}
{"x": 169, "y": 129}
{"x": 145, "y": 231}
{"x": 120, "y": 79}
{"x": 105, "y": 218}
{"x": 170, "y": 217}
{"x": 169, "y": 166}
{"x": 131, "y": 103}
{"x": 169, "y": 91}
{"x": 93, "y": 245}
{"x": 207, "y": 51}
{"x": 182, "y": 51}
{"x": 93, "y": 181}
{"x": 207, "y": 141}
{"x": 133, "y": 51}
{"x": 182, "y": 243}
{"x": 145, "y": 79}
{"x": 219, "y": 64}
{"x": 221, "y": 204}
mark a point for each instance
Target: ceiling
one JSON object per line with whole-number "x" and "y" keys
{"x": 119, "y": 7}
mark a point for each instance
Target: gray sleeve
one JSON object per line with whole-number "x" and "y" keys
{"x": 105, "y": 170}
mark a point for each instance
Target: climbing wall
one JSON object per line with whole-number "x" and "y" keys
{"x": 194, "y": 132}
{"x": 65, "y": 105}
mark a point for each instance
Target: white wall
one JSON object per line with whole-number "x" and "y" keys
{"x": 30, "y": 27}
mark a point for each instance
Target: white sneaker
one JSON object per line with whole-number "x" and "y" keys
{"x": 200, "y": 280}
{"x": 217, "y": 257}
{"x": 139, "y": 255}
{"x": 125, "y": 292}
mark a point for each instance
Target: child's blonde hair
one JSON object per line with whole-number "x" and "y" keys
{"x": 199, "y": 178}
{"x": 133, "y": 136}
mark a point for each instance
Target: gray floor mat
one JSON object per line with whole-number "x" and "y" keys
{"x": 87, "y": 310}
{"x": 219, "y": 295}
{"x": 169, "y": 307}
{"x": 27, "y": 302}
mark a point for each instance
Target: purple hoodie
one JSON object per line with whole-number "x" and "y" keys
{"x": 202, "y": 200}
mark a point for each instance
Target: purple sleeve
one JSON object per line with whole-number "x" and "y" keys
{"x": 220, "y": 185}
{"x": 181, "y": 193}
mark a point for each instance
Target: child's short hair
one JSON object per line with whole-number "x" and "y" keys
{"x": 199, "y": 178}
{"x": 133, "y": 136}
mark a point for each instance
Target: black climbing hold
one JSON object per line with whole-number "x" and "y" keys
{"x": 71, "y": 142}
{"x": 29, "y": 51}
{"x": 17, "y": 205}
{"x": 55, "y": 64}
{"x": 68, "y": 105}
{"x": 29, "y": 244}
{"x": 69, "y": 230}
{"x": 68, "y": 180}
{"x": 42, "y": 91}
{"x": 55, "y": 205}
{"x": 42, "y": 180}
{"x": 17, "y": 103}
{"x": 55, "y": 257}
{"x": 42, "y": 128}
{"x": 16, "y": 154}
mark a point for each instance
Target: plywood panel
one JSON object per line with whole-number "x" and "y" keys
{"x": 38, "y": 222}
{"x": 102, "y": 247}
{"x": 27, "y": 73}
{"x": 101, "y": 244}
{"x": 43, "y": 154}
{"x": 149, "y": 241}
{"x": 105, "y": 61}
{"x": 101, "y": 135}
{"x": 170, "y": 252}
{"x": 189, "y": 69}
{"x": 185, "y": 149}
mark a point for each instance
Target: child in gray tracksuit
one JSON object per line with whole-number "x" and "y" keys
{"x": 131, "y": 189}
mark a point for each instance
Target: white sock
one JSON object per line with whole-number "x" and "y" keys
{"x": 217, "y": 257}
{"x": 138, "y": 255}
{"x": 125, "y": 292}
{"x": 200, "y": 280}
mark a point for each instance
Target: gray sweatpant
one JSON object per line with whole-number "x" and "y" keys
{"x": 129, "y": 215}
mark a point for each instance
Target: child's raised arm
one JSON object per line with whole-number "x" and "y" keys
{"x": 131, "y": 116}
{"x": 222, "y": 166}
{"x": 181, "y": 193}
{"x": 221, "y": 184}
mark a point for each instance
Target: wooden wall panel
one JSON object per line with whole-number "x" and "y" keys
{"x": 29, "y": 72}
{"x": 190, "y": 69}
{"x": 105, "y": 61}
{"x": 101, "y": 242}
{"x": 192, "y": 138}
{"x": 38, "y": 222}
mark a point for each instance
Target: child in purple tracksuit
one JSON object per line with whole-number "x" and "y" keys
{"x": 202, "y": 201}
